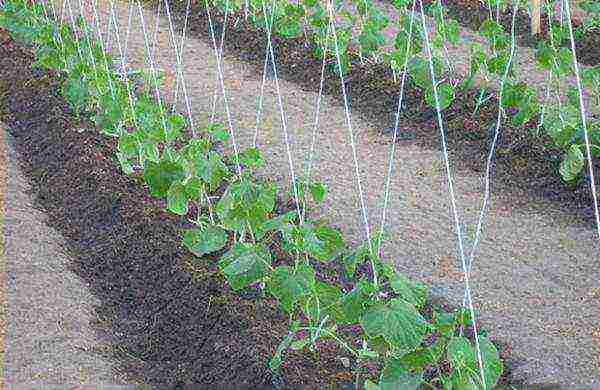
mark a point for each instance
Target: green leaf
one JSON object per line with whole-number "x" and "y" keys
{"x": 299, "y": 345}
{"x": 445, "y": 323}
{"x": 177, "y": 200}
{"x": 289, "y": 286}
{"x": 325, "y": 243}
{"x": 354, "y": 304}
{"x": 325, "y": 300}
{"x": 398, "y": 322}
{"x": 212, "y": 170}
{"x": 446, "y": 96}
{"x": 126, "y": 166}
{"x": 355, "y": 258}
{"x": 151, "y": 152}
{"x": 368, "y": 384}
{"x": 396, "y": 375}
{"x": 318, "y": 192}
{"x": 492, "y": 365}
{"x": 194, "y": 188}
{"x": 572, "y": 163}
{"x": 252, "y": 158}
{"x": 218, "y": 131}
{"x": 273, "y": 224}
{"x": 461, "y": 354}
{"x": 128, "y": 145}
{"x": 245, "y": 264}
{"x": 176, "y": 124}
{"x": 415, "y": 294}
{"x": 160, "y": 176}
{"x": 453, "y": 32}
{"x": 545, "y": 55}
{"x": 209, "y": 240}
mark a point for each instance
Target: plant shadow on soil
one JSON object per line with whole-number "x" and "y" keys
{"x": 170, "y": 323}
{"x": 524, "y": 170}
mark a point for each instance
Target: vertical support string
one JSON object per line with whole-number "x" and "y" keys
{"x": 451, "y": 190}
{"x": 353, "y": 145}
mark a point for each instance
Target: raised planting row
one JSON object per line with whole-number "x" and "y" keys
{"x": 415, "y": 344}
{"x": 360, "y": 27}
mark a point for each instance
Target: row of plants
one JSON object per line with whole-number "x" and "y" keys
{"x": 382, "y": 318}
{"x": 360, "y": 27}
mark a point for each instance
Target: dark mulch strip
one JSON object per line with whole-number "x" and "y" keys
{"x": 472, "y": 14}
{"x": 525, "y": 167}
{"x": 171, "y": 323}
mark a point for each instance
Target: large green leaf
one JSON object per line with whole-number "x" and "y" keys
{"x": 209, "y": 240}
{"x": 398, "y": 322}
{"x": 245, "y": 264}
{"x": 159, "y": 176}
{"x": 289, "y": 286}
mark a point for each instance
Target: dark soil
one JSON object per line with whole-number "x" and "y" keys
{"x": 524, "y": 169}
{"x": 172, "y": 321}
{"x": 472, "y": 14}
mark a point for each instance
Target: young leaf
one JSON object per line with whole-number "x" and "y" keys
{"x": 572, "y": 163}
{"x": 218, "y": 131}
{"x": 202, "y": 242}
{"x": 318, "y": 192}
{"x": 445, "y": 96}
{"x": 245, "y": 264}
{"x": 177, "y": 200}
